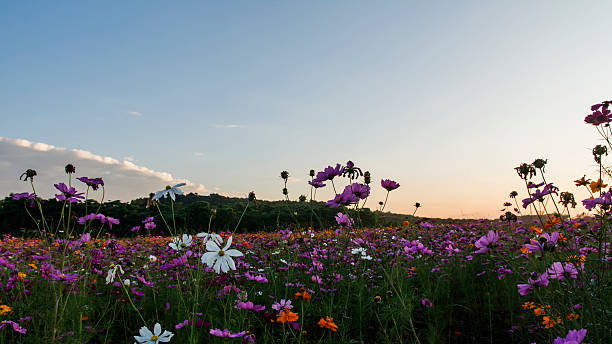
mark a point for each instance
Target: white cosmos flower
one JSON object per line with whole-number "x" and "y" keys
{"x": 177, "y": 244}
{"x": 152, "y": 258}
{"x": 220, "y": 259}
{"x": 169, "y": 190}
{"x": 148, "y": 337}
{"x": 211, "y": 236}
{"x": 112, "y": 272}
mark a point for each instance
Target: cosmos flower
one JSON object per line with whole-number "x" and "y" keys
{"x": 573, "y": 337}
{"x": 351, "y": 171}
{"x": 344, "y": 220}
{"x": 486, "y": 241}
{"x": 560, "y": 271}
{"x": 112, "y": 272}
{"x": 329, "y": 173}
{"x": 67, "y": 194}
{"x": 169, "y": 190}
{"x": 316, "y": 184}
{"x": 282, "y": 305}
{"x": 360, "y": 191}
{"x": 389, "y": 184}
{"x": 328, "y": 322}
{"x": 211, "y": 236}
{"x": 250, "y": 306}
{"x": 177, "y": 244}
{"x": 226, "y": 333}
{"x": 14, "y": 325}
{"x": 220, "y": 259}
{"x": 93, "y": 182}
{"x": 148, "y": 337}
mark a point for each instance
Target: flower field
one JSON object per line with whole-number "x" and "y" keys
{"x": 543, "y": 278}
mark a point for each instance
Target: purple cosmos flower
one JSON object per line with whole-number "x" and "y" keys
{"x": 316, "y": 184}
{"x": 26, "y": 195}
{"x": 329, "y": 173}
{"x": 540, "y": 280}
{"x": 250, "y": 306}
{"x": 546, "y": 240}
{"x": 427, "y": 303}
{"x": 226, "y": 333}
{"x": 604, "y": 200}
{"x": 15, "y": 326}
{"x": 486, "y": 241}
{"x": 573, "y": 337}
{"x": 345, "y": 198}
{"x": 282, "y": 305}
{"x": 68, "y": 194}
{"x": 344, "y": 220}
{"x": 389, "y": 184}
{"x": 361, "y": 191}
{"x": 352, "y": 171}
{"x": 560, "y": 271}
{"x": 148, "y": 219}
{"x": 150, "y": 225}
{"x": 601, "y": 114}
{"x": 93, "y": 182}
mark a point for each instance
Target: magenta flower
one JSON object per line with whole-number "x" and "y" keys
{"x": 541, "y": 280}
{"x": 344, "y": 220}
{"x": 486, "y": 241}
{"x": 15, "y": 326}
{"x": 360, "y": 191}
{"x": 573, "y": 337}
{"x": 560, "y": 271}
{"x": 93, "y": 182}
{"x": 250, "y": 306}
{"x": 427, "y": 303}
{"x": 282, "y": 305}
{"x": 226, "y": 333}
{"x": 389, "y": 184}
{"x": 316, "y": 184}
{"x": 67, "y": 194}
{"x": 329, "y": 173}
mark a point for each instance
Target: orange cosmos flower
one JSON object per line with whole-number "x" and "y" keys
{"x": 538, "y": 311}
{"x": 597, "y": 186}
{"x": 287, "y": 317}
{"x": 582, "y": 181}
{"x": 528, "y": 305}
{"x": 303, "y": 294}
{"x": 572, "y": 316}
{"x": 328, "y": 323}
{"x": 549, "y": 322}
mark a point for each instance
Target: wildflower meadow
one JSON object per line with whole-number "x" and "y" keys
{"x": 538, "y": 274}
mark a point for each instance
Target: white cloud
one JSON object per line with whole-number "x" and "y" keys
{"x": 123, "y": 179}
{"x": 129, "y": 158}
{"x": 135, "y": 113}
{"x": 229, "y": 126}
{"x": 198, "y": 154}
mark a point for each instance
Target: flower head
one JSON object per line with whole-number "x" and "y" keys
{"x": 177, "y": 243}
{"x": 148, "y": 337}
{"x": 220, "y": 259}
{"x": 328, "y": 322}
{"x": 486, "y": 241}
{"x": 67, "y": 194}
{"x": 389, "y": 184}
{"x": 169, "y": 190}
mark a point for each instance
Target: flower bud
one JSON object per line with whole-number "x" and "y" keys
{"x": 70, "y": 169}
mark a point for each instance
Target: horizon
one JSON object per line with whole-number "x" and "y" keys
{"x": 445, "y": 99}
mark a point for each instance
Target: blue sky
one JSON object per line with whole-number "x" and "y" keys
{"x": 445, "y": 98}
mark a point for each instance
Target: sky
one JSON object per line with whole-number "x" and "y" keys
{"x": 446, "y": 98}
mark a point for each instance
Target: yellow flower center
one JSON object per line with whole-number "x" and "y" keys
{"x": 221, "y": 253}
{"x": 154, "y": 338}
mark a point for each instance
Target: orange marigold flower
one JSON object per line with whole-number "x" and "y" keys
{"x": 528, "y": 305}
{"x": 549, "y": 322}
{"x": 287, "y": 317}
{"x": 538, "y": 311}
{"x": 597, "y": 186}
{"x": 582, "y": 181}
{"x": 328, "y": 323}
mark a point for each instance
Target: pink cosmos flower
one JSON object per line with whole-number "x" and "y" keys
{"x": 560, "y": 271}
{"x": 486, "y": 241}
